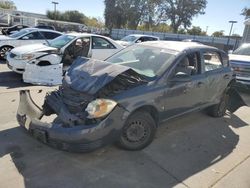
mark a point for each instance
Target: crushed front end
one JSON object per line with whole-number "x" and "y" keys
{"x": 86, "y": 116}
{"x": 69, "y": 131}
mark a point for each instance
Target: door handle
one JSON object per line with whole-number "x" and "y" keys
{"x": 226, "y": 76}
{"x": 200, "y": 84}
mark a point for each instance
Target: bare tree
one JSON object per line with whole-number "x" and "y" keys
{"x": 246, "y": 12}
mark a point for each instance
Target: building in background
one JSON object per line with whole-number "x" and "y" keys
{"x": 13, "y": 17}
{"x": 246, "y": 34}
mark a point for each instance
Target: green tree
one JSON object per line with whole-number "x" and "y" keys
{"x": 196, "y": 30}
{"x": 218, "y": 33}
{"x": 182, "y": 31}
{"x": 181, "y": 12}
{"x": 70, "y": 16}
{"x": 7, "y": 4}
{"x": 129, "y": 13}
{"x": 114, "y": 14}
{"x": 95, "y": 22}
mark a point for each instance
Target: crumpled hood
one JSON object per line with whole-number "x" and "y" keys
{"x": 235, "y": 57}
{"x": 32, "y": 48}
{"x": 89, "y": 75}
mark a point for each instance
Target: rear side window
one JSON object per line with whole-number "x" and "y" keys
{"x": 34, "y": 36}
{"x": 101, "y": 43}
{"x": 153, "y": 39}
{"x": 50, "y": 35}
{"x": 212, "y": 61}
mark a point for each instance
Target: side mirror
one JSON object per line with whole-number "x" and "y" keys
{"x": 25, "y": 38}
{"x": 181, "y": 77}
{"x": 138, "y": 41}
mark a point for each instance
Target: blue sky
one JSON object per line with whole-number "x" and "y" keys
{"x": 218, "y": 12}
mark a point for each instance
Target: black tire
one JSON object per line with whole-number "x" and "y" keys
{"x": 219, "y": 110}
{"x": 138, "y": 131}
{"x": 3, "y": 51}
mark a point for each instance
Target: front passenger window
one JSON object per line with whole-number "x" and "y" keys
{"x": 190, "y": 64}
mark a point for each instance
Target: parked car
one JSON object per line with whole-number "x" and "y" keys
{"x": 45, "y": 27}
{"x": 125, "y": 98}
{"x": 136, "y": 38}
{"x": 191, "y": 40}
{"x": 240, "y": 62}
{"x": 44, "y": 63}
{"x": 25, "y": 36}
{"x": 9, "y": 30}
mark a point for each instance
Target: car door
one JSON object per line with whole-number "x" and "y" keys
{"x": 31, "y": 38}
{"x": 185, "y": 86}
{"x": 102, "y": 48}
{"x": 43, "y": 74}
{"x": 217, "y": 72}
{"x": 79, "y": 47}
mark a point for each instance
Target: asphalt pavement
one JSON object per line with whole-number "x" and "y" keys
{"x": 192, "y": 151}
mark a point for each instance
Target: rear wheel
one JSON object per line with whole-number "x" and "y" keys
{"x": 220, "y": 109}
{"x": 4, "y": 50}
{"x": 138, "y": 131}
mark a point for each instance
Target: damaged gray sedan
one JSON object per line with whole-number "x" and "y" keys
{"x": 126, "y": 98}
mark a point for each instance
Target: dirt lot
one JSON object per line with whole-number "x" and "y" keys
{"x": 193, "y": 151}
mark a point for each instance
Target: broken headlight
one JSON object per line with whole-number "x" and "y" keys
{"x": 25, "y": 57}
{"x": 100, "y": 108}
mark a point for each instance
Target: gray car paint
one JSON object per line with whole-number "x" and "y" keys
{"x": 163, "y": 96}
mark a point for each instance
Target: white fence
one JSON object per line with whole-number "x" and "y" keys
{"x": 120, "y": 33}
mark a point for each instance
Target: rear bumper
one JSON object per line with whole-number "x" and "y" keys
{"x": 81, "y": 138}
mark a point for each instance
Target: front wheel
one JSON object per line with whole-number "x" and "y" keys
{"x": 4, "y": 50}
{"x": 138, "y": 131}
{"x": 220, "y": 109}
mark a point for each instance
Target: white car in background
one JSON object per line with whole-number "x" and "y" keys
{"x": 136, "y": 38}
{"x": 44, "y": 63}
{"x": 240, "y": 62}
{"x": 24, "y": 37}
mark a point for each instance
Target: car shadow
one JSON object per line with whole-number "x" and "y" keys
{"x": 10, "y": 80}
{"x": 183, "y": 147}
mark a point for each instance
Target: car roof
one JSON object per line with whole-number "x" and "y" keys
{"x": 141, "y": 35}
{"x": 175, "y": 45}
{"x": 86, "y": 35}
{"x": 38, "y": 29}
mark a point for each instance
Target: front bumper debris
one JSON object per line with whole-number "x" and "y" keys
{"x": 242, "y": 71}
{"x": 80, "y": 138}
